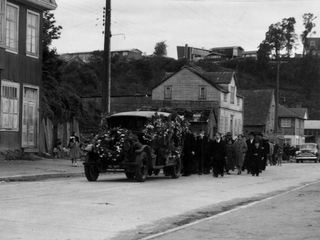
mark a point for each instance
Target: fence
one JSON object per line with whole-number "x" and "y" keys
{"x": 64, "y": 131}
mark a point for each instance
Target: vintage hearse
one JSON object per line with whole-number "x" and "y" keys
{"x": 138, "y": 143}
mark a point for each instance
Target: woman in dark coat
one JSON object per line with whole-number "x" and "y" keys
{"x": 230, "y": 156}
{"x": 217, "y": 151}
{"x": 256, "y": 158}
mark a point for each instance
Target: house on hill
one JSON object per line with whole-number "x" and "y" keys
{"x": 259, "y": 111}
{"x": 193, "y": 88}
{"x": 21, "y": 72}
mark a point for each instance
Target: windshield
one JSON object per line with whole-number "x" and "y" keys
{"x": 129, "y": 122}
{"x": 308, "y": 146}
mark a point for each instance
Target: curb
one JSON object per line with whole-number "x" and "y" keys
{"x": 35, "y": 177}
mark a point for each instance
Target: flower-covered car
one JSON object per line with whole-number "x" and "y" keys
{"x": 307, "y": 151}
{"x": 138, "y": 143}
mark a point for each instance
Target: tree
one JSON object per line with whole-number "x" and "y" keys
{"x": 160, "y": 49}
{"x": 58, "y": 100}
{"x": 281, "y": 36}
{"x": 308, "y": 23}
{"x": 289, "y": 33}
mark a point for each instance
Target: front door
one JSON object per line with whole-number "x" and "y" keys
{"x": 29, "y": 117}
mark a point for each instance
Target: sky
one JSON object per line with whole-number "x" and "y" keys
{"x": 140, "y": 24}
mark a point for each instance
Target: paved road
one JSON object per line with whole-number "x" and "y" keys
{"x": 117, "y": 208}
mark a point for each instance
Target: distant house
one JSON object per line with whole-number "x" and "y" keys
{"x": 193, "y": 88}
{"x": 229, "y": 52}
{"x": 191, "y": 53}
{"x": 127, "y": 53}
{"x": 291, "y": 124}
{"x": 79, "y": 57}
{"x": 214, "y": 56}
{"x": 259, "y": 111}
{"x": 250, "y": 54}
{"x": 21, "y": 72}
{"x": 312, "y": 45}
{"x": 312, "y": 131}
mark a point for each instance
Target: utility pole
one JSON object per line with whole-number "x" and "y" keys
{"x": 276, "y": 119}
{"x": 106, "y": 81}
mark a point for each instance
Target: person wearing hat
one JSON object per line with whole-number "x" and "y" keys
{"x": 265, "y": 150}
{"x": 250, "y": 145}
{"x": 256, "y": 158}
{"x": 217, "y": 152}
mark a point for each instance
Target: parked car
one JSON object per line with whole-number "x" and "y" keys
{"x": 307, "y": 151}
{"x": 138, "y": 143}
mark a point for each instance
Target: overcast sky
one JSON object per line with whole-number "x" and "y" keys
{"x": 199, "y": 23}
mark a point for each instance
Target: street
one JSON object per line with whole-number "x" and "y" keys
{"x": 117, "y": 208}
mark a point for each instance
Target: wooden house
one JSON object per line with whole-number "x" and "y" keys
{"x": 259, "y": 111}
{"x": 20, "y": 72}
{"x": 291, "y": 124}
{"x": 192, "y": 88}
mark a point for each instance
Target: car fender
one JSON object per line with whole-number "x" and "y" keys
{"x": 147, "y": 150}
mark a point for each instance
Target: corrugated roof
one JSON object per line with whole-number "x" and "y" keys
{"x": 257, "y": 104}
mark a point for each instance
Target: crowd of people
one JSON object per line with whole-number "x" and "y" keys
{"x": 223, "y": 154}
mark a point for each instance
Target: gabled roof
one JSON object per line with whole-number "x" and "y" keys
{"x": 302, "y": 112}
{"x": 287, "y": 112}
{"x": 213, "y": 78}
{"x": 257, "y": 105}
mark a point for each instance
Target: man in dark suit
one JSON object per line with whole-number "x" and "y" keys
{"x": 250, "y": 144}
{"x": 217, "y": 151}
{"x": 188, "y": 153}
{"x": 200, "y": 152}
{"x": 265, "y": 150}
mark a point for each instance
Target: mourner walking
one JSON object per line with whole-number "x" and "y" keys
{"x": 240, "y": 148}
{"x": 217, "y": 151}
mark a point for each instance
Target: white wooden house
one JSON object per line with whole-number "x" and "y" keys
{"x": 192, "y": 88}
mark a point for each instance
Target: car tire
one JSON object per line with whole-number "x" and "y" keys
{"x": 141, "y": 171}
{"x": 91, "y": 172}
{"x": 176, "y": 168}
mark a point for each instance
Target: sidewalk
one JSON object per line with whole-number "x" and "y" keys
{"x": 31, "y": 170}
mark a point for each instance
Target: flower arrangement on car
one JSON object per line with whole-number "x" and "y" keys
{"x": 118, "y": 143}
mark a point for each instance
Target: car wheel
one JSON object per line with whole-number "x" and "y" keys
{"x": 176, "y": 171}
{"x": 130, "y": 175}
{"x": 91, "y": 172}
{"x": 141, "y": 171}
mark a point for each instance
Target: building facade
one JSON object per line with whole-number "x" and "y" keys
{"x": 191, "y": 53}
{"x": 193, "y": 88}
{"x": 21, "y": 72}
{"x": 291, "y": 124}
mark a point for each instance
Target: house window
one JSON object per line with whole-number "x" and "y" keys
{"x": 232, "y": 94}
{"x": 286, "y": 122}
{"x": 312, "y": 43}
{"x": 202, "y": 92}
{"x": 33, "y": 33}
{"x": 9, "y": 113}
{"x": 125, "y": 54}
{"x": 2, "y": 22}
{"x": 225, "y": 97}
{"x": 12, "y": 27}
{"x": 238, "y": 101}
{"x": 167, "y": 92}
